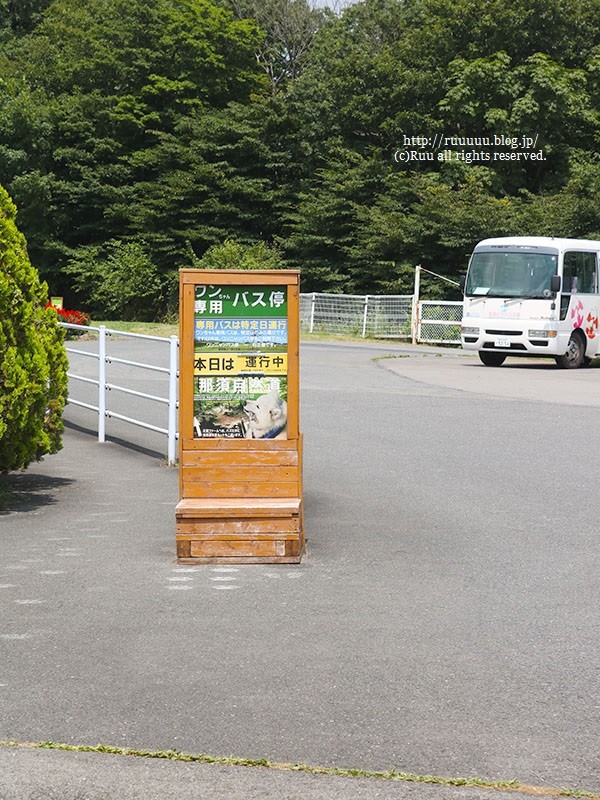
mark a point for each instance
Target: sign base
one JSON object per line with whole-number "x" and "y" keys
{"x": 242, "y": 531}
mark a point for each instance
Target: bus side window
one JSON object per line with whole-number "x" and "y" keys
{"x": 589, "y": 272}
{"x": 579, "y": 277}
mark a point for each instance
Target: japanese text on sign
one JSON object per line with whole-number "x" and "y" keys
{"x": 236, "y": 364}
{"x": 239, "y": 302}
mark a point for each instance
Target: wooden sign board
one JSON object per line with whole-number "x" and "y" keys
{"x": 240, "y": 448}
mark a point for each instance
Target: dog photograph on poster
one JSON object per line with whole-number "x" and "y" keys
{"x": 240, "y": 408}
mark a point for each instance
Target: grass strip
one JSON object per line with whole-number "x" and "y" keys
{"x": 165, "y": 329}
{"x": 339, "y": 772}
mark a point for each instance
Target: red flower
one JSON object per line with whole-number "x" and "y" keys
{"x": 73, "y": 317}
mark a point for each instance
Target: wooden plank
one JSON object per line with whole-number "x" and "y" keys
{"x": 243, "y": 507}
{"x": 183, "y": 547}
{"x": 240, "y": 489}
{"x": 208, "y": 458}
{"x": 186, "y": 369}
{"x": 233, "y": 277}
{"x": 266, "y": 445}
{"x": 238, "y": 526}
{"x": 227, "y": 474}
{"x": 247, "y": 537}
{"x": 242, "y": 560}
{"x": 236, "y": 547}
{"x": 293, "y": 349}
{"x": 301, "y": 466}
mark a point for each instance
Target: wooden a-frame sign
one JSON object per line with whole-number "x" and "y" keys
{"x": 240, "y": 447}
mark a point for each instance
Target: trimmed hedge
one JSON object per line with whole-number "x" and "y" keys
{"x": 33, "y": 362}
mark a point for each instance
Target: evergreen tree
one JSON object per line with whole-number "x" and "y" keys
{"x": 33, "y": 363}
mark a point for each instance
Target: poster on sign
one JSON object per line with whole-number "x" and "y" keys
{"x": 240, "y": 362}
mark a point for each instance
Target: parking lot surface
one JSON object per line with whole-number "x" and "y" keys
{"x": 444, "y": 622}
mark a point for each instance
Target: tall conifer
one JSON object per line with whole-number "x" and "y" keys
{"x": 33, "y": 364}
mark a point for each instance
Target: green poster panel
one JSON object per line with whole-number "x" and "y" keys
{"x": 240, "y": 361}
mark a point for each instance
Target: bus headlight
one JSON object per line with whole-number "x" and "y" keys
{"x": 542, "y": 334}
{"x": 466, "y": 331}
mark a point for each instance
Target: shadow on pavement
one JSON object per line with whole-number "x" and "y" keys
{"x": 137, "y": 448}
{"x": 24, "y": 492}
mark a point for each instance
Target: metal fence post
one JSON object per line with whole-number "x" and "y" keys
{"x": 312, "y": 313}
{"x": 415, "y": 307}
{"x": 172, "y": 424}
{"x": 365, "y": 314}
{"x": 102, "y": 383}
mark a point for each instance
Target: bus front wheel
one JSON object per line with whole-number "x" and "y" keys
{"x": 575, "y": 355}
{"x": 492, "y": 359}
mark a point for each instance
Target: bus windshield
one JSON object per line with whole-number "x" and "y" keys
{"x": 511, "y": 273}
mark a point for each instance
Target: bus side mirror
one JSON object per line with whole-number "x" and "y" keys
{"x": 461, "y": 282}
{"x": 555, "y": 283}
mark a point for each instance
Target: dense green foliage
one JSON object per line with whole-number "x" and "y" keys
{"x": 233, "y": 255}
{"x": 33, "y": 365}
{"x": 135, "y": 137}
{"x": 94, "y": 97}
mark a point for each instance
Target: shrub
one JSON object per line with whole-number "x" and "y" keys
{"x": 236, "y": 255}
{"x": 119, "y": 280}
{"x": 33, "y": 362}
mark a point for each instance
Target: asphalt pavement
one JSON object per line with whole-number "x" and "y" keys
{"x": 444, "y": 621}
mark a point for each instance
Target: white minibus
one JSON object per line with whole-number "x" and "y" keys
{"x": 533, "y": 296}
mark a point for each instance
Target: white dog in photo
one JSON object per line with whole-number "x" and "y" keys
{"x": 267, "y": 417}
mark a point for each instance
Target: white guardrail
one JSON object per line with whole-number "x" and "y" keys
{"x": 396, "y": 316}
{"x": 104, "y": 387}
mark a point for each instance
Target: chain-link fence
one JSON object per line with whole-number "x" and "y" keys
{"x": 381, "y": 316}
{"x": 386, "y": 316}
{"x": 439, "y": 321}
